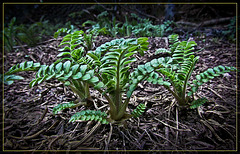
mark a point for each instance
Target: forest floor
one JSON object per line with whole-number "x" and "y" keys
{"x": 29, "y": 123}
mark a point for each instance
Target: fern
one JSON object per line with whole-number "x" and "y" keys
{"x": 64, "y": 31}
{"x": 87, "y": 115}
{"x": 24, "y": 66}
{"x": 207, "y": 75}
{"x": 10, "y": 35}
{"x": 198, "y": 102}
{"x": 146, "y": 72}
{"x": 162, "y": 50}
{"x": 138, "y": 111}
{"x": 132, "y": 25}
{"x": 10, "y": 77}
{"x": 63, "y": 106}
{"x": 178, "y": 71}
{"x": 73, "y": 71}
{"x": 66, "y": 72}
{"x": 107, "y": 69}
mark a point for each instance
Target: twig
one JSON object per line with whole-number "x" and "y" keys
{"x": 74, "y": 130}
{"x": 55, "y": 139}
{"x": 215, "y": 21}
{"x": 225, "y": 87}
{"x": 148, "y": 135}
{"x": 182, "y": 130}
{"x": 86, "y": 128}
{"x": 205, "y": 23}
{"x": 165, "y": 139}
{"x": 19, "y": 46}
{"x": 212, "y": 130}
{"x": 43, "y": 141}
{"x": 99, "y": 108}
{"x": 109, "y": 136}
{"x": 101, "y": 100}
{"x": 87, "y": 136}
{"x": 141, "y": 136}
{"x": 55, "y": 123}
{"x": 223, "y": 127}
{"x": 166, "y": 128}
{"x": 110, "y": 133}
{"x": 41, "y": 118}
{"x": 29, "y": 137}
{"x": 180, "y": 124}
{"x": 124, "y": 139}
{"x": 177, "y": 125}
{"x": 216, "y": 94}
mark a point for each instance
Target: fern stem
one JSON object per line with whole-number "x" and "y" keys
{"x": 76, "y": 91}
{"x": 186, "y": 80}
{"x": 86, "y": 89}
{"x": 179, "y": 99}
{"x": 106, "y": 96}
{"x": 117, "y": 95}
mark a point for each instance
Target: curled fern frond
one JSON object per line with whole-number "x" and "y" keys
{"x": 64, "y": 30}
{"x": 198, "y": 102}
{"x": 63, "y": 106}
{"x": 138, "y": 111}
{"x": 132, "y": 44}
{"x": 87, "y": 115}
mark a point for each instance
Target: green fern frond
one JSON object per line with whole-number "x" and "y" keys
{"x": 9, "y": 79}
{"x": 198, "y": 102}
{"x": 173, "y": 38}
{"x": 65, "y": 72}
{"x": 24, "y": 66}
{"x": 146, "y": 71}
{"x": 208, "y": 75}
{"x": 162, "y": 50}
{"x": 63, "y": 106}
{"x": 10, "y": 76}
{"x": 183, "y": 51}
{"x": 174, "y": 42}
{"x": 116, "y": 62}
{"x": 185, "y": 70}
{"x": 102, "y": 49}
{"x": 138, "y": 111}
{"x": 87, "y": 115}
{"x": 76, "y": 45}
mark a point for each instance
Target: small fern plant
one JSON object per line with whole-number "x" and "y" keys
{"x": 104, "y": 24}
{"x": 144, "y": 27}
{"x": 76, "y": 46}
{"x": 111, "y": 63}
{"x": 177, "y": 70}
{"x": 106, "y": 69}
